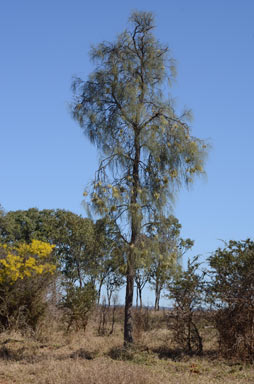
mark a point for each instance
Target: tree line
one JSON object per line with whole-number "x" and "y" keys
{"x": 57, "y": 259}
{"x": 85, "y": 251}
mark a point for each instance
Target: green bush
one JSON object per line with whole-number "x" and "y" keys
{"x": 231, "y": 292}
{"x": 77, "y": 304}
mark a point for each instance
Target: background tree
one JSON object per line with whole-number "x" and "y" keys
{"x": 106, "y": 255}
{"x": 75, "y": 243}
{"x": 142, "y": 265}
{"x": 114, "y": 282}
{"x": 26, "y": 225}
{"x": 147, "y": 149}
{"x": 72, "y": 235}
{"x": 85, "y": 251}
{"x": 141, "y": 279}
{"x": 167, "y": 249}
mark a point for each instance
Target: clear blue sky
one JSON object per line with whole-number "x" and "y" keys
{"x": 45, "y": 160}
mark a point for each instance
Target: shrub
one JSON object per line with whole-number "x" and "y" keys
{"x": 103, "y": 317}
{"x": 78, "y": 303}
{"x": 231, "y": 291}
{"x": 142, "y": 321}
{"x": 25, "y": 272}
{"x": 186, "y": 289}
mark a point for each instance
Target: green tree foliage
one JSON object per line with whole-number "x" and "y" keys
{"x": 108, "y": 258}
{"x": 166, "y": 249}
{"x": 26, "y": 225}
{"x": 147, "y": 149}
{"x": 85, "y": 251}
{"x": 72, "y": 235}
{"x": 81, "y": 251}
{"x": 75, "y": 246}
{"x": 231, "y": 291}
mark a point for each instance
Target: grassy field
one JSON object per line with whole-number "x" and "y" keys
{"x": 50, "y": 356}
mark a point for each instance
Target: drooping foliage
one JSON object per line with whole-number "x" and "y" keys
{"x": 147, "y": 150}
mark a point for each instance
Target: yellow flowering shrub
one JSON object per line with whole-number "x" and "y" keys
{"x": 21, "y": 260}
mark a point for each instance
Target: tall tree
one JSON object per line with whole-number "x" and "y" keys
{"x": 147, "y": 150}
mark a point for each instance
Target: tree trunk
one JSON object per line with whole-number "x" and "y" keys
{"x": 157, "y": 297}
{"x": 189, "y": 349}
{"x": 99, "y": 291}
{"x": 135, "y": 231}
{"x": 140, "y": 297}
{"x": 113, "y": 320}
{"x": 128, "y": 326}
{"x": 109, "y": 295}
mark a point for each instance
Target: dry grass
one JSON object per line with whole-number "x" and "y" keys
{"x": 53, "y": 357}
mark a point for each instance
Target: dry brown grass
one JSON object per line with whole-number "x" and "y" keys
{"x": 53, "y": 357}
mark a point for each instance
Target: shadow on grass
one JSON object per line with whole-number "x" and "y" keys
{"x": 7, "y": 354}
{"x": 82, "y": 354}
{"x": 178, "y": 354}
{"x": 27, "y": 355}
{"x": 121, "y": 353}
{"x": 165, "y": 352}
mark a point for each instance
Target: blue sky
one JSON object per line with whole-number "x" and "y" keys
{"x": 46, "y": 161}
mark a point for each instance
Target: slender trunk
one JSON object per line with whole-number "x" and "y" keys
{"x": 54, "y": 293}
{"x": 135, "y": 231}
{"x": 78, "y": 270}
{"x": 200, "y": 341}
{"x": 99, "y": 291}
{"x": 80, "y": 279}
{"x": 113, "y": 320}
{"x": 157, "y": 296}
{"x": 140, "y": 297}
{"x": 137, "y": 296}
{"x": 189, "y": 334}
{"x": 109, "y": 295}
{"x": 135, "y": 220}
